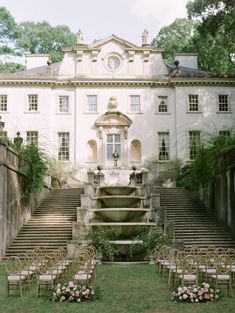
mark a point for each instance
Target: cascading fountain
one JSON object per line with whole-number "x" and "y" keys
{"x": 124, "y": 208}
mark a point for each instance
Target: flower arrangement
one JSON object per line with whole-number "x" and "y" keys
{"x": 74, "y": 293}
{"x": 148, "y": 240}
{"x": 196, "y": 294}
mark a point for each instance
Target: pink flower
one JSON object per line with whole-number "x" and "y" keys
{"x": 62, "y": 299}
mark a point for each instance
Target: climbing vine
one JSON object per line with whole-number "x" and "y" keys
{"x": 35, "y": 169}
{"x": 34, "y": 166}
{"x": 205, "y": 166}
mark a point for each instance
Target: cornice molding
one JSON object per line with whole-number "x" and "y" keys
{"x": 118, "y": 82}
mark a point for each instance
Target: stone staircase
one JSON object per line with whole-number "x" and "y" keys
{"x": 193, "y": 222}
{"x": 50, "y": 225}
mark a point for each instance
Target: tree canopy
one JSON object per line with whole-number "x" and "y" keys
{"x": 216, "y": 32}
{"x": 209, "y": 31}
{"x": 11, "y": 67}
{"x": 43, "y": 38}
{"x": 9, "y": 31}
{"x": 176, "y": 37}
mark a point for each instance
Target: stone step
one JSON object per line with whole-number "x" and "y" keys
{"x": 51, "y": 223}
{"x": 194, "y": 224}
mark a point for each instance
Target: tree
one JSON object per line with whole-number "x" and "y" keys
{"x": 216, "y": 31}
{"x": 8, "y": 32}
{"x": 10, "y": 67}
{"x": 43, "y": 38}
{"x": 176, "y": 37}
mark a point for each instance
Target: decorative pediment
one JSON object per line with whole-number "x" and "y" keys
{"x": 113, "y": 119}
{"x": 126, "y": 44}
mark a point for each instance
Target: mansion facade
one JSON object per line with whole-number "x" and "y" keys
{"x": 113, "y": 96}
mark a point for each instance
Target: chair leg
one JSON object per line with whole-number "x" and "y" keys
{"x": 21, "y": 292}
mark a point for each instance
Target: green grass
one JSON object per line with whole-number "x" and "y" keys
{"x": 126, "y": 289}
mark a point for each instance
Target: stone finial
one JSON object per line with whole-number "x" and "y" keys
{"x": 145, "y": 38}
{"x": 18, "y": 140}
{"x": 112, "y": 105}
{"x": 79, "y": 35}
{"x": 49, "y": 61}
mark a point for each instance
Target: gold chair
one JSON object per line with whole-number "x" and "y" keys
{"x": 175, "y": 272}
{"x": 14, "y": 278}
{"x": 209, "y": 266}
{"x": 223, "y": 274}
{"x": 82, "y": 269}
{"x": 189, "y": 267}
{"x": 47, "y": 276}
{"x": 26, "y": 263}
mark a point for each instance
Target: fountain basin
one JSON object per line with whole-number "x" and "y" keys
{"x": 121, "y": 214}
{"x": 116, "y": 190}
{"x": 120, "y": 201}
{"x": 126, "y": 230}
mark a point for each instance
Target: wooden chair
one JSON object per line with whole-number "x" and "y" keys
{"x": 223, "y": 275}
{"x": 209, "y": 266}
{"x": 47, "y": 275}
{"x": 159, "y": 256}
{"x": 82, "y": 270}
{"x": 26, "y": 263}
{"x": 172, "y": 265}
{"x": 189, "y": 267}
{"x": 14, "y": 277}
{"x": 176, "y": 269}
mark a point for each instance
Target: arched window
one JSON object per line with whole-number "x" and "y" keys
{"x": 92, "y": 151}
{"x": 135, "y": 151}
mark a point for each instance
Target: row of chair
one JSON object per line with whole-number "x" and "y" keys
{"x": 48, "y": 268}
{"x": 188, "y": 267}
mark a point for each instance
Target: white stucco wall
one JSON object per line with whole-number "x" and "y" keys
{"x": 82, "y": 74}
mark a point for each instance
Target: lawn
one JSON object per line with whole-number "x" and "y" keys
{"x": 126, "y": 289}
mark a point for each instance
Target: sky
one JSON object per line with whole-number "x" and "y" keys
{"x": 100, "y": 18}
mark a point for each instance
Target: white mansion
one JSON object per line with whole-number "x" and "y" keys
{"x": 115, "y": 96}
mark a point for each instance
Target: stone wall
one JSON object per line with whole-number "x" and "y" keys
{"x": 14, "y": 210}
{"x": 220, "y": 197}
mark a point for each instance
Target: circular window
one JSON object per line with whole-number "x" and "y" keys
{"x": 113, "y": 62}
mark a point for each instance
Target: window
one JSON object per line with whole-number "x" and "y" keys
{"x": 92, "y": 103}
{"x": 163, "y": 146}
{"x": 225, "y": 133}
{"x": 3, "y": 102}
{"x": 223, "y": 103}
{"x": 193, "y": 103}
{"x": 113, "y": 145}
{"x": 162, "y": 107}
{"x": 63, "y": 154}
{"x": 33, "y": 102}
{"x": 194, "y": 144}
{"x": 32, "y": 138}
{"x": 63, "y": 104}
{"x": 134, "y": 104}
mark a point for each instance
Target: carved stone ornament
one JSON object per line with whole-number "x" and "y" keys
{"x": 145, "y": 37}
{"x": 112, "y": 105}
{"x": 79, "y": 36}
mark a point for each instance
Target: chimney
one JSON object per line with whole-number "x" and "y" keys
{"x": 36, "y": 60}
{"x": 187, "y": 59}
